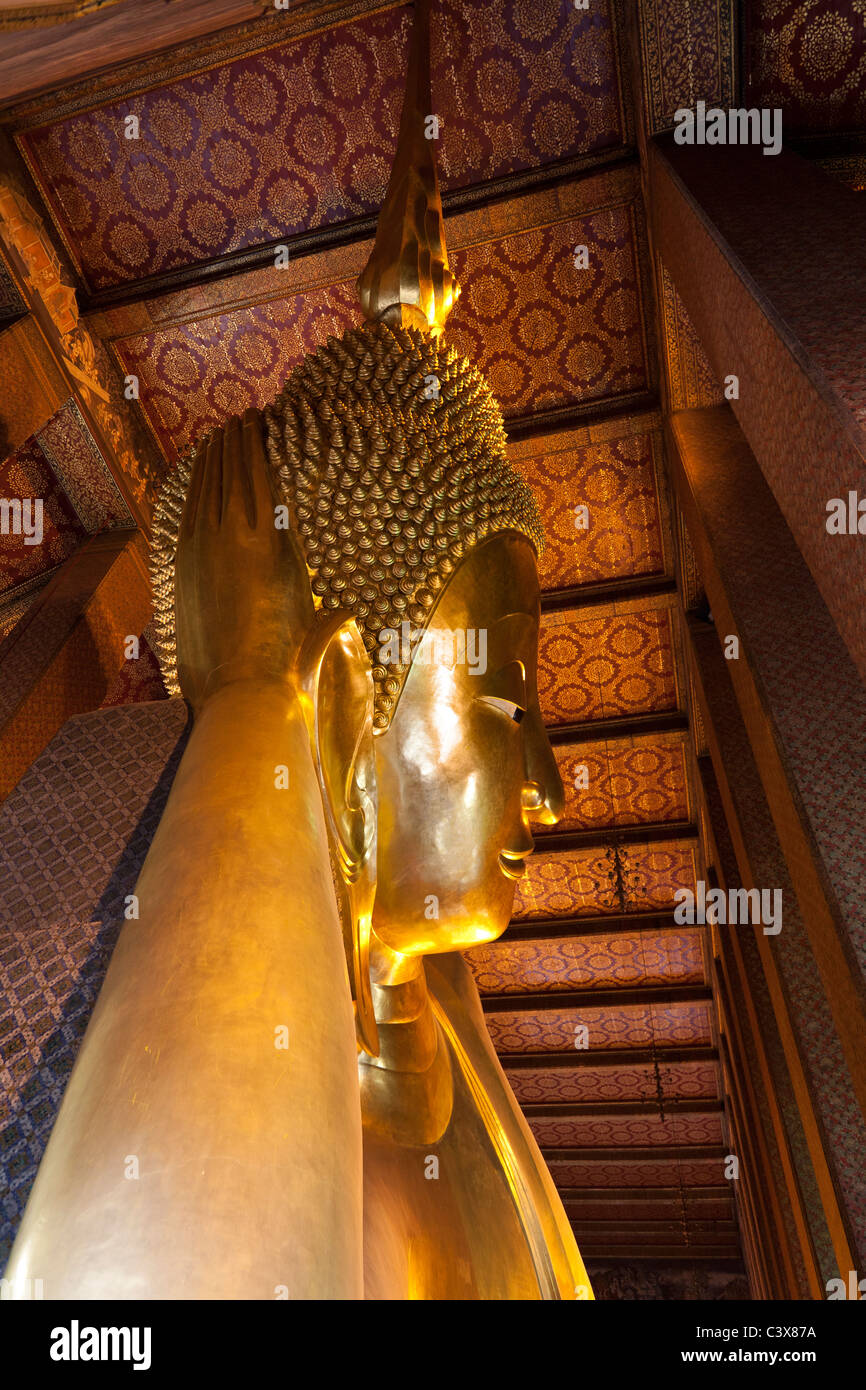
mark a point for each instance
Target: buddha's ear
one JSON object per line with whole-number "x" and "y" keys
{"x": 336, "y": 679}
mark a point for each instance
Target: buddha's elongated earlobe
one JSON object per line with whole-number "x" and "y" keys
{"x": 337, "y": 684}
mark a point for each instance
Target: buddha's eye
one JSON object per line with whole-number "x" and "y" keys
{"x": 507, "y": 707}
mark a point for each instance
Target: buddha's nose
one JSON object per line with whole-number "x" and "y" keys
{"x": 543, "y": 796}
{"x": 544, "y": 804}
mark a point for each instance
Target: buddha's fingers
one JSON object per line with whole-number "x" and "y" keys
{"x": 187, "y": 525}
{"x": 234, "y": 501}
{"x": 257, "y": 473}
{"x": 210, "y": 503}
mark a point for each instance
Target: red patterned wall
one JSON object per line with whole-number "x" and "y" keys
{"x": 627, "y": 783}
{"x": 137, "y": 680}
{"x": 577, "y": 883}
{"x": 609, "y": 1131}
{"x": 624, "y": 1172}
{"x": 622, "y": 958}
{"x": 626, "y": 1025}
{"x": 624, "y": 1082}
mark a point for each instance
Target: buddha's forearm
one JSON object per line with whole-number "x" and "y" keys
{"x": 209, "y": 1144}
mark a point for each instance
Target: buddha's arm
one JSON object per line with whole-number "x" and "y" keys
{"x": 209, "y": 1143}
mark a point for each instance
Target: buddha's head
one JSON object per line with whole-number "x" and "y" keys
{"x": 390, "y": 452}
{"x": 388, "y": 455}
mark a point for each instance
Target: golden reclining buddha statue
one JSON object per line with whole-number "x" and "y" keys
{"x": 287, "y": 1088}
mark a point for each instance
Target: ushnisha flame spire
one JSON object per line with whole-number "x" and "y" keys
{"x": 386, "y": 445}
{"x": 407, "y": 283}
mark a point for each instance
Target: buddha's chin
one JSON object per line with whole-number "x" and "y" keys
{"x": 459, "y": 933}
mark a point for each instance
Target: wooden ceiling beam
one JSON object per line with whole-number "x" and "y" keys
{"x": 641, "y": 586}
{"x": 651, "y": 832}
{"x": 588, "y": 414}
{"x": 588, "y": 1109}
{"x": 550, "y": 928}
{"x": 34, "y": 61}
{"x": 572, "y": 1195}
{"x": 596, "y": 999}
{"x": 663, "y": 1256}
{"x": 670, "y": 1153}
{"x": 612, "y": 1057}
{"x": 632, "y": 726}
{"x": 717, "y": 1256}
{"x": 703, "y": 1230}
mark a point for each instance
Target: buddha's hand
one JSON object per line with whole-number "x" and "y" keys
{"x": 242, "y": 594}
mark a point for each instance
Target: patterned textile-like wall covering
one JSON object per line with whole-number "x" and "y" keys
{"x": 809, "y": 58}
{"x": 27, "y": 474}
{"x": 544, "y": 333}
{"x": 605, "y": 667}
{"x": 619, "y": 533}
{"x": 278, "y": 142}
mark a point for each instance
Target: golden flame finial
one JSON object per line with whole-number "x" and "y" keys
{"x": 406, "y": 281}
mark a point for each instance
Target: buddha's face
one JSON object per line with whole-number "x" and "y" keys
{"x": 465, "y": 766}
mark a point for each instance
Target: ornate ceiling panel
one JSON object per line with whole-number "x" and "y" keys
{"x": 577, "y": 883}
{"x": 619, "y": 535}
{"x": 625, "y": 1172}
{"x": 604, "y": 667}
{"x": 809, "y": 57}
{"x": 609, "y": 1131}
{"x": 624, "y": 957}
{"x": 193, "y": 376}
{"x": 622, "y": 782}
{"x": 271, "y": 143}
{"x": 629, "y": 1025}
{"x": 544, "y": 333}
{"x": 626, "y": 1082}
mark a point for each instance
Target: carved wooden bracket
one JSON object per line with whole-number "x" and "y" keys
{"x": 24, "y": 229}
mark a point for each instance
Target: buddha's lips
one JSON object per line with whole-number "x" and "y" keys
{"x": 513, "y": 864}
